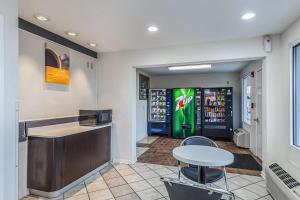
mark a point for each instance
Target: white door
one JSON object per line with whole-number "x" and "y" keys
{"x": 258, "y": 118}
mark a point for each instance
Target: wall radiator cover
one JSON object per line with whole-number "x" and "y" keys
{"x": 280, "y": 184}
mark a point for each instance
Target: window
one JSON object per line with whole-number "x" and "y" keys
{"x": 246, "y": 99}
{"x": 296, "y": 95}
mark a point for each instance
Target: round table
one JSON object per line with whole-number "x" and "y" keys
{"x": 204, "y": 156}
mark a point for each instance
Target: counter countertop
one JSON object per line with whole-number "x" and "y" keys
{"x": 64, "y": 131}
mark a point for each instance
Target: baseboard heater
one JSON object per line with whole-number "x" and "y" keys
{"x": 280, "y": 184}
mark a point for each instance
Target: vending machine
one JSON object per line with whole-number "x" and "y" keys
{"x": 159, "y": 112}
{"x": 183, "y": 112}
{"x": 198, "y": 111}
{"x": 217, "y": 113}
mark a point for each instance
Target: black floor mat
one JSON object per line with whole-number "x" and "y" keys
{"x": 245, "y": 161}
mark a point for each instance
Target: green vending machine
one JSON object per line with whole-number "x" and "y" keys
{"x": 183, "y": 112}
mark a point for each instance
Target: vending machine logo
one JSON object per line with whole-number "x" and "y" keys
{"x": 182, "y": 102}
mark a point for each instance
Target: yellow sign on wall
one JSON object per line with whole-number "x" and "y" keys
{"x": 57, "y": 67}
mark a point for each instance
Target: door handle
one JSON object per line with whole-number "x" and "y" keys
{"x": 256, "y": 119}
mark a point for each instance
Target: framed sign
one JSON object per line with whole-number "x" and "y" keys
{"x": 57, "y": 64}
{"x": 143, "y": 86}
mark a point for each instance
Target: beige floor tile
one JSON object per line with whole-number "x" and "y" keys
{"x": 231, "y": 175}
{"x": 119, "y": 166}
{"x": 41, "y": 198}
{"x": 131, "y": 196}
{"x": 138, "y": 164}
{"x": 101, "y": 195}
{"x": 126, "y": 171}
{"x": 154, "y": 166}
{"x": 141, "y": 168}
{"x": 79, "y": 197}
{"x": 149, "y": 174}
{"x": 173, "y": 168}
{"x": 245, "y": 194}
{"x": 132, "y": 178}
{"x": 262, "y": 183}
{"x": 163, "y": 171}
{"x": 95, "y": 177}
{"x": 121, "y": 190}
{"x": 232, "y": 186}
{"x": 112, "y": 173}
{"x": 155, "y": 181}
{"x": 140, "y": 185}
{"x": 107, "y": 169}
{"x": 141, "y": 150}
{"x": 149, "y": 194}
{"x": 252, "y": 179}
{"x": 162, "y": 190}
{"x": 148, "y": 140}
{"x": 173, "y": 175}
{"x": 257, "y": 189}
{"x": 268, "y": 197}
{"x": 239, "y": 181}
{"x": 77, "y": 190}
{"x": 113, "y": 182}
{"x": 96, "y": 185}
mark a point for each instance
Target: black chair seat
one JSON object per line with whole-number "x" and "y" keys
{"x": 179, "y": 190}
{"x": 211, "y": 174}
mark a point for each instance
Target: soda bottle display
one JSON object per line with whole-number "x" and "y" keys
{"x": 183, "y": 112}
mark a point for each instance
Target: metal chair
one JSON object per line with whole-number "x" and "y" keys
{"x": 192, "y": 172}
{"x": 179, "y": 190}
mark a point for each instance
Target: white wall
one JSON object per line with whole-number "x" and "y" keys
{"x": 251, "y": 67}
{"x": 204, "y": 80}
{"x": 117, "y": 77}
{"x": 39, "y": 99}
{"x": 8, "y": 98}
{"x": 279, "y": 139}
{"x": 141, "y": 111}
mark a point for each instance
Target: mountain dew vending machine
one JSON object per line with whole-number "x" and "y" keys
{"x": 183, "y": 110}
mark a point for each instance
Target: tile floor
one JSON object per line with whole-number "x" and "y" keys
{"x": 158, "y": 150}
{"x": 148, "y": 140}
{"x": 141, "y": 150}
{"x": 141, "y": 181}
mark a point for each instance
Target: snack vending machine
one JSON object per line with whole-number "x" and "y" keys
{"x": 159, "y": 112}
{"x": 217, "y": 113}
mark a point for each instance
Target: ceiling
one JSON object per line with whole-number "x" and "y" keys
{"x": 122, "y": 24}
{"x": 216, "y": 68}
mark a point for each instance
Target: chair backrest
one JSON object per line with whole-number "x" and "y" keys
{"x": 198, "y": 140}
{"x": 179, "y": 190}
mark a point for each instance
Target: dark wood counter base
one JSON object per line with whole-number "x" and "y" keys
{"x": 55, "y": 164}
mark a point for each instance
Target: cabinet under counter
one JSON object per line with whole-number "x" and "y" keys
{"x": 60, "y": 158}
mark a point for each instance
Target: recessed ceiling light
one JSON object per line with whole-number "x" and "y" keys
{"x": 41, "y": 18}
{"x": 152, "y": 29}
{"x": 190, "y": 67}
{"x": 70, "y": 33}
{"x": 248, "y": 16}
{"x": 92, "y": 44}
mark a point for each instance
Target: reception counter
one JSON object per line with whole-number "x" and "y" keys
{"x": 58, "y": 159}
